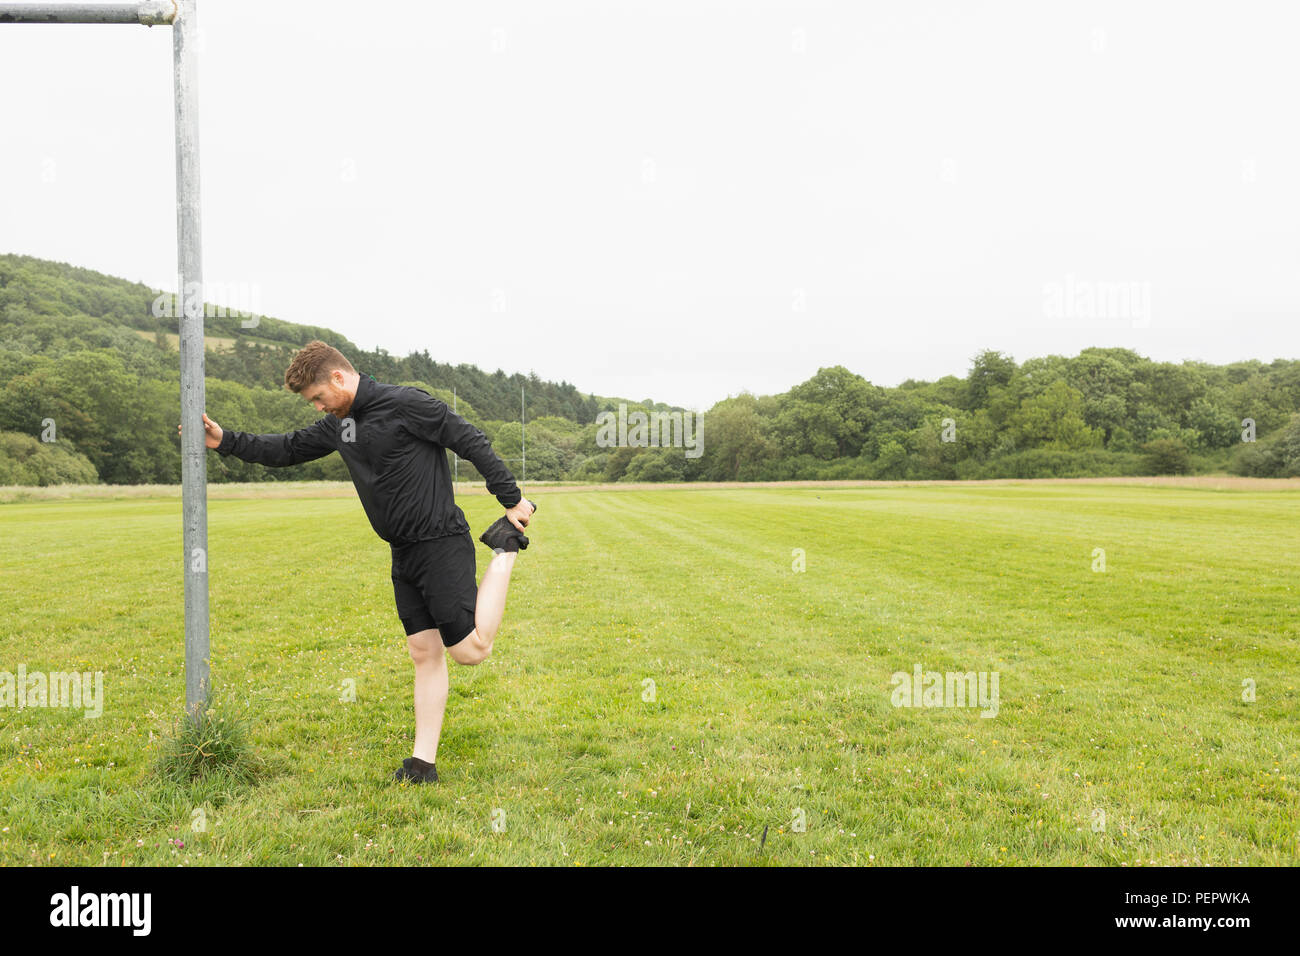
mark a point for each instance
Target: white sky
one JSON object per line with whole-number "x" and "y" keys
{"x": 681, "y": 200}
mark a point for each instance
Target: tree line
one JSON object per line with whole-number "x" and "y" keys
{"x": 90, "y": 391}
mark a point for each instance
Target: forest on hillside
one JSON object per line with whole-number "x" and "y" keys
{"x": 89, "y": 392}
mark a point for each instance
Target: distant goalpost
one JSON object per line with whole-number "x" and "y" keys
{"x": 181, "y": 16}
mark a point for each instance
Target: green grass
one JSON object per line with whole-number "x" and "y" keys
{"x": 1120, "y": 691}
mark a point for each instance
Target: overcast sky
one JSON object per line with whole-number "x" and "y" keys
{"x": 684, "y": 200}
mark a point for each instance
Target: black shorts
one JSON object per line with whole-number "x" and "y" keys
{"x": 433, "y": 584}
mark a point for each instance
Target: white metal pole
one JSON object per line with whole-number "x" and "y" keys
{"x": 194, "y": 461}
{"x": 150, "y": 13}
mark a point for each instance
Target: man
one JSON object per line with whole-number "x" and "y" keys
{"x": 392, "y": 438}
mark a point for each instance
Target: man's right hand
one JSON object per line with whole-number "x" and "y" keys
{"x": 211, "y": 432}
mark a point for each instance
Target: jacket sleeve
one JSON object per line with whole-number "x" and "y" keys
{"x": 306, "y": 444}
{"x": 429, "y": 418}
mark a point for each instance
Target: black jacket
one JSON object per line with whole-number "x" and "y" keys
{"x": 393, "y": 442}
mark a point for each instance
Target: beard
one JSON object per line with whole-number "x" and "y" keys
{"x": 341, "y": 410}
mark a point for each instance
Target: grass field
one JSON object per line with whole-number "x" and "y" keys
{"x": 1121, "y": 737}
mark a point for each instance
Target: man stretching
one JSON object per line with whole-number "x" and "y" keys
{"x": 392, "y": 438}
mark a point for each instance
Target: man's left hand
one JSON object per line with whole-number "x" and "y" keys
{"x": 520, "y": 514}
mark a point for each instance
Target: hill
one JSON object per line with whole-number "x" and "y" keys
{"x": 89, "y": 390}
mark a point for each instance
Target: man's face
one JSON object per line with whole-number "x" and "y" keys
{"x": 331, "y": 396}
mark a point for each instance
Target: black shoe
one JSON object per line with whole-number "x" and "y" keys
{"x": 417, "y": 771}
{"x": 503, "y": 536}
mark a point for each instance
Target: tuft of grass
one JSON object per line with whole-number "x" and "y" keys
{"x": 214, "y": 743}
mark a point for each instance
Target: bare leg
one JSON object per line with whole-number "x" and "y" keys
{"x": 488, "y": 611}
{"x": 431, "y": 685}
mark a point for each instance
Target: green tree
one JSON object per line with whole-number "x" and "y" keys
{"x": 735, "y": 441}
{"x": 989, "y": 370}
{"x": 26, "y": 461}
{"x": 1054, "y": 419}
{"x": 827, "y": 416}
{"x": 1166, "y": 456}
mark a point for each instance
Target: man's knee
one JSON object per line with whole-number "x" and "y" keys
{"x": 425, "y": 647}
{"x": 472, "y": 650}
